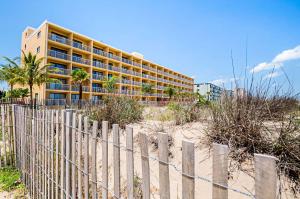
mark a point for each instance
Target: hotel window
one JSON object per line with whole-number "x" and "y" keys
{"x": 57, "y": 96}
{"x": 74, "y": 96}
{"x": 38, "y": 49}
{"x": 39, "y": 34}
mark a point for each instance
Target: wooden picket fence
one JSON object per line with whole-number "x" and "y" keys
{"x": 56, "y": 152}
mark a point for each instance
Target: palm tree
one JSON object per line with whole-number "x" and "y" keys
{"x": 110, "y": 84}
{"x": 170, "y": 91}
{"x": 147, "y": 89}
{"x": 10, "y": 71}
{"x": 79, "y": 77}
{"x": 33, "y": 72}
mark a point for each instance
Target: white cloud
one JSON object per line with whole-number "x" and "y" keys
{"x": 286, "y": 55}
{"x": 219, "y": 82}
{"x": 272, "y": 75}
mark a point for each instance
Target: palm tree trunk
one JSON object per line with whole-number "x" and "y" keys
{"x": 80, "y": 96}
{"x": 31, "y": 95}
{"x": 11, "y": 89}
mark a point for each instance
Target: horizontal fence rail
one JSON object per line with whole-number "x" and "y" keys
{"x": 57, "y": 152}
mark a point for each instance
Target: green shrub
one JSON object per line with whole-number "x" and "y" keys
{"x": 9, "y": 179}
{"x": 117, "y": 110}
{"x": 184, "y": 113}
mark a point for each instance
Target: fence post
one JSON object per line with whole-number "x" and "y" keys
{"x": 79, "y": 195}
{"x": 265, "y": 177}
{"x": 14, "y": 134}
{"x": 86, "y": 158}
{"x": 94, "y": 156}
{"x": 220, "y": 171}
{"x": 57, "y": 132}
{"x": 129, "y": 162}
{"x": 163, "y": 153}
{"x": 116, "y": 164}
{"x": 73, "y": 152}
{"x": 145, "y": 165}
{"x": 62, "y": 155}
{"x": 188, "y": 170}
{"x": 105, "y": 159}
{"x": 3, "y": 134}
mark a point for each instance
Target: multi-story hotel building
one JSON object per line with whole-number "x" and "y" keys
{"x": 68, "y": 50}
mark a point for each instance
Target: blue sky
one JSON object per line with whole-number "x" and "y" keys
{"x": 192, "y": 37}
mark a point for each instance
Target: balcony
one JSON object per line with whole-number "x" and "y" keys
{"x": 98, "y": 77}
{"x": 136, "y": 64}
{"x": 59, "y": 55}
{"x": 127, "y": 61}
{"x": 59, "y": 39}
{"x": 98, "y": 90}
{"x": 81, "y": 60}
{"x": 99, "y": 64}
{"x": 126, "y": 81}
{"x": 136, "y": 83}
{"x": 109, "y": 67}
{"x": 81, "y": 46}
{"x": 115, "y": 57}
{"x": 56, "y": 86}
{"x": 60, "y": 71}
{"x": 126, "y": 71}
{"x": 55, "y": 102}
{"x": 136, "y": 73}
{"x": 160, "y": 87}
{"x": 100, "y": 52}
{"x": 84, "y": 88}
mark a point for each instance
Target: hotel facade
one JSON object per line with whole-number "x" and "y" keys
{"x": 67, "y": 50}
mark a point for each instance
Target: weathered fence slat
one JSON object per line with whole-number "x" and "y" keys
{"x": 188, "y": 170}
{"x": 116, "y": 141}
{"x": 105, "y": 160}
{"x": 163, "y": 152}
{"x": 265, "y": 177}
{"x": 145, "y": 165}
{"x": 62, "y": 155}
{"x": 73, "y": 152}
{"x": 86, "y": 158}
{"x": 57, "y": 133}
{"x": 94, "y": 156}
{"x": 220, "y": 171}
{"x": 129, "y": 162}
{"x": 79, "y": 147}
{"x": 68, "y": 145}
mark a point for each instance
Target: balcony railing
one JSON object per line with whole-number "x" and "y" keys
{"x": 84, "y": 88}
{"x": 136, "y": 73}
{"x": 55, "y": 102}
{"x": 60, "y": 71}
{"x": 59, "y": 55}
{"x": 81, "y": 46}
{"x": 160, "y": 87}
{"x": 109, "y": 67}
{"x": 100, "y": 52}
{"x": 126, "y": 81}
{"x": 136, "y": 64}
{"x": 98, "y": 77}
{"x": 56, "y": 86}
{"x": 81, "y": 60}
{"x": 126, "y": 61}
{"x": 59, "y": 39}
{"x": 136, "y": 83}
{"x": 126, "y": 71}
{"x": 99, "y": 64}
{"x": 98, "y": 90}
{"x": 115, "y": 57}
